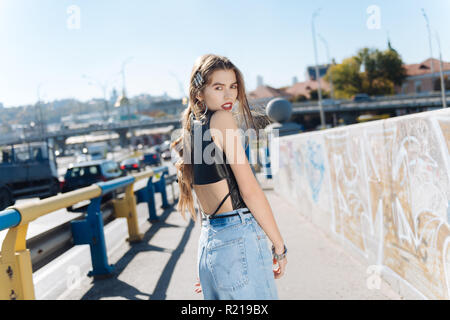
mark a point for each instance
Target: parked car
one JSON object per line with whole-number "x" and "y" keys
{"x": 151, "y": 159}
{"x": 131, "y": 165}
{"x": 84, "y": 174}
{"x": 27, "y": 171}
{"x": 359, "y": 97}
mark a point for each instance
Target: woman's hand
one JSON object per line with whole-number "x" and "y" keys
{"x": 197, "y": 286}
{"x": 279, "y": 272}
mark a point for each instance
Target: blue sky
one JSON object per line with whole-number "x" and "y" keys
{"x": 262, "y": 37}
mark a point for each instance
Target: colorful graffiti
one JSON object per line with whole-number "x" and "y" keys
{"x": 388, "y": 185}
{"x": 315, "y": 168}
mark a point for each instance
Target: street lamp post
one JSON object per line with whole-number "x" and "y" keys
{"x": 331, "y": 76}
{"x": 444, "y": 98}
{"x": 322, "y": 117}
{"x": 39, "y": 107}
{"x": 124, "y": 88}
{"x": 429, "y": 43}
{"x": 103, "y": 86}
{"x": 330, "y": 62}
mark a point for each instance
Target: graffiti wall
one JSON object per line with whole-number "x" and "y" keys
{"x": 381, "y": 187}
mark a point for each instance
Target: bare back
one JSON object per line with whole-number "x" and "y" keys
{"x": 213, "y": 180}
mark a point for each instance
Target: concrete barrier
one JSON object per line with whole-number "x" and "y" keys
{"x": 382, "y": 189}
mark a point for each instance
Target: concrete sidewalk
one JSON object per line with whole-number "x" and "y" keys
{"x": 163, "y": 266}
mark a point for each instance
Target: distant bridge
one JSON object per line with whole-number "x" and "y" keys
{"x": 348, "y": 109}
{"x": 421, "y": 101}
{"x": 121, "y": 128}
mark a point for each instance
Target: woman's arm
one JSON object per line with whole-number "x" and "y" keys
{"x": 226, "y": 135}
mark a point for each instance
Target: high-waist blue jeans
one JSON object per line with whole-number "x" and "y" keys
{"x": 234, "y": 260}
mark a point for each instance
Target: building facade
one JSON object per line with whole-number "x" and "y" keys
{"x": 423, "y": 77}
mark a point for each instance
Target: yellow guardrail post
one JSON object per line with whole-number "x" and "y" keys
{"x": 16, "y": 274}
{"x": 126, "y": 208}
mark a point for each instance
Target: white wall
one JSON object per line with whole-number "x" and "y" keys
{"x": 382, "y": 189}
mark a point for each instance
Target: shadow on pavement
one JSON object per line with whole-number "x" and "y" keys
{"x": 113, "y": 287}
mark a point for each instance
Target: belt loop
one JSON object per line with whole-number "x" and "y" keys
{"x": 204, "y": 217}
{"x": 241, "y": 214}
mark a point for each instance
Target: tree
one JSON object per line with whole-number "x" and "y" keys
{"x": 347, "y": 80}
{"x": 370, "y": 71}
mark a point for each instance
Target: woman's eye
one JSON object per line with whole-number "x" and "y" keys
{"x": 232, "y": 87}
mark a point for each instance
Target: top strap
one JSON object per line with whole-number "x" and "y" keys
{"x": 226, "y": 197}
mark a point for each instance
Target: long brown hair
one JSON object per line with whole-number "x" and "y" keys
{"x": 204, "y": 65}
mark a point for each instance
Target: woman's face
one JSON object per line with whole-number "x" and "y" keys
{"x": 222, "y": 92}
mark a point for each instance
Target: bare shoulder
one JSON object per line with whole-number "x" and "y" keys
{"x": 222, "y": 119}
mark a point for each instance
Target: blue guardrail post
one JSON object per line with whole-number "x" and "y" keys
{"x": 267, "y": 169}
{"x": 150, "y": 198}
{"x": 90, "y": 231}
{"x": 160, "y": 187}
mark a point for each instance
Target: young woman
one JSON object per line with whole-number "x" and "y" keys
{"x": 234, "y": 261}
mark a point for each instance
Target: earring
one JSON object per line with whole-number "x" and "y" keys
{"x": 206, "y": 109}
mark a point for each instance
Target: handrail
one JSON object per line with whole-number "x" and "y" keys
{"x": 25, "y": 213}
{"x": 32, "y": 211}
{"x": 9, "y": 218}
{"x": 16, "y": 281}
{"x": 109, "y": 186}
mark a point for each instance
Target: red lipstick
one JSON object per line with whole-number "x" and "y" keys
{"x": 227, "y": 106}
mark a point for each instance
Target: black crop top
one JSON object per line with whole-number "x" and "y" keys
{"x": 206, "y": 170}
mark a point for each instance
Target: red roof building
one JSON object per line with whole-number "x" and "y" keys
{"x": 305, "y": 88}
{"x": 420, "y": 77}
{"x": 264, "y": 91}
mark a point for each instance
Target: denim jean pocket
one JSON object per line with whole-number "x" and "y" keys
{"x": 228, "y": 264}
{"x": 262, "y": 242}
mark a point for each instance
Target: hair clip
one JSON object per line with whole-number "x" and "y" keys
{"x": 198, "y": 79}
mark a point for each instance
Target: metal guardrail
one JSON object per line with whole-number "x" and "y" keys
{"x": 51, "y": 243}
{"x": 410, "y": 102}
{"x": 16, "y": 281}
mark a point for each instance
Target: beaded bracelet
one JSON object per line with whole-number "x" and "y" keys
{"x": 279, "y": 257}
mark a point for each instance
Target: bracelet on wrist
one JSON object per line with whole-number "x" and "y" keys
{"x": 281, "y": 256}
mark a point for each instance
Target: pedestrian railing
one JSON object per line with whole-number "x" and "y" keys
{"x": 16, "y": 276}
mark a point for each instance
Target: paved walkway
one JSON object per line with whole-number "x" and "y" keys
{"x": 163, "y": 266}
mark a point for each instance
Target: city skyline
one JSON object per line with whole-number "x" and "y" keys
{"x": 50, "y": 46}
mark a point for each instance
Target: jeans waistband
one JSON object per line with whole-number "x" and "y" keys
{"x": 225, "y": 216}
